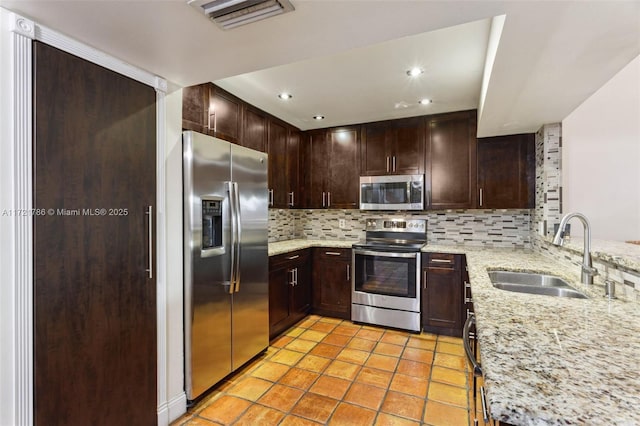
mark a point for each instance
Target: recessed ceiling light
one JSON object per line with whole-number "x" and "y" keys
{"x": 425, "y": 101}
{"x": 415, "y": 71}
{"x": 318, "y": 117}
{"x": 285, "y": 96}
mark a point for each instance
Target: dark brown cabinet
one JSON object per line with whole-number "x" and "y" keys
{"x": 254, "y": 129}
{"x": 393, "y": 147}
{"x": 331, "y": 158}
{"x": 294, "y": 196}
{"x": 451, "y": 161}
{"x": 289, "y": 289}
{"x": 506, "y": 172}
{"x": 332, "y": 282}
{"x": 278, "y": 186}
{"x": 206, "y": 108}
{"x": 442, "y": 293}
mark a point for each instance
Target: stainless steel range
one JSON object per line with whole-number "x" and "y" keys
{"x": 386, "y": 273}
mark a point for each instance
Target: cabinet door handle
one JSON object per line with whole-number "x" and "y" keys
{"x": 387, "y": 164}
{"x": 323, "y": 197}
{"x": 271, "y": 197}
{"x": 485, "y": 412}
{"x": 328, "y": 199}
{"x": 332, "y": 253}
{"x": 291, "y": 277}
{"x": 348, "y": 272}
{"x": 447, "y": 261}
{"x": 293, "y": 257}
{"x": 468, "y": 300}
{"x": 481, "y": 197}
{"x": 424, "y": 279}
{"x": 150, "y": 238}
{"x": 291, "y": 197}
{"x": 295, "y": 276}
{"x": 394, "y": 163}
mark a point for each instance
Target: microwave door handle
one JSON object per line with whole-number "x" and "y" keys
{"x": 408, "y": 192}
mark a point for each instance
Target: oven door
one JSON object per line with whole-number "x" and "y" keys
{"x": 386, "y": 279}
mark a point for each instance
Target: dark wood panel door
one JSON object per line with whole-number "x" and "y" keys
{"x": 315, "y": 155}
{"x": 225, "y": 112}
{"x": 343, "y": 167}
{"x": 452, "y": 159}
{"x": 375, "y": 158}
{"x": 278, "y": 164}
{"x": 506, "y": 171}
{"x": 408, "y": 154}
{"x": 442, "y": 301}
{"x": 254, "y": 130}
{"x": 293, "y": 169}
{"x": 332, "y": 282}
{"x": 95, "y": 305}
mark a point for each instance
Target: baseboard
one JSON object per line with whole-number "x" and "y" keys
{"x": 172, "y": 409}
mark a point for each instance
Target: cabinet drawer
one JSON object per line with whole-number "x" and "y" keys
{"x": 333, "y": 253}
{"x": 442, "y": 260}
{"x": 294, "y": 257}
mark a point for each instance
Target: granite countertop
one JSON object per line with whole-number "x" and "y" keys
{"x": 287, "y": 246}
{"x": 550, "y": 360}
{"x": 620, "y": 253}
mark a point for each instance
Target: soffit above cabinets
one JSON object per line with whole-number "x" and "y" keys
{"x": 550, "y": 56}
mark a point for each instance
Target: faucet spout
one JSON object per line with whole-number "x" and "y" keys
{"x": 588, "y": 271}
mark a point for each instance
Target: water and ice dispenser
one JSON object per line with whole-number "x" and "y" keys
{"x": 211, "y": 223}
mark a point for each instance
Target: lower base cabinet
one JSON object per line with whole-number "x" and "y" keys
{"x": 289, "y": 289}
{"x": 442, "y": 293}
{"x": 332, "y": 282}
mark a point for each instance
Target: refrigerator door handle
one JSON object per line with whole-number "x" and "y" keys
{"x": 232, "y": 209}
{"x": 238, "y": 238}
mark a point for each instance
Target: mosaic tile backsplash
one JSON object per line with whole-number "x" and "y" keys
{"x": 479, "y": 228}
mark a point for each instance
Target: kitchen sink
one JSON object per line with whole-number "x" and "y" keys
{"x": 532, "y": 283}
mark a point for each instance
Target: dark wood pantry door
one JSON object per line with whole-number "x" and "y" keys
{"x": 95, "y": 306}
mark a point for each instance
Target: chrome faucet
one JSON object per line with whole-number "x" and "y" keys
{"x": 588, "y": 271}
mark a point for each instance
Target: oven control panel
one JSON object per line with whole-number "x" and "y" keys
{"x": 396, "y": 225}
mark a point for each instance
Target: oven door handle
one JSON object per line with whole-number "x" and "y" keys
{"x": 385, "y": 254}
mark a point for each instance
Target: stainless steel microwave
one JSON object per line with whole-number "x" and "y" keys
{"x": 395, "y": 192}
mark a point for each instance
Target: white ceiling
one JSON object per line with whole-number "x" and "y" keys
{"x": 551, "y": 55}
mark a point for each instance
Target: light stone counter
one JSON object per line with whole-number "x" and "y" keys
{"x": 298, "y": 244}
{"x": 551, "y": 360}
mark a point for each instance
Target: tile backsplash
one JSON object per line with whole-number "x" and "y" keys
{"x": 479, "y": 228}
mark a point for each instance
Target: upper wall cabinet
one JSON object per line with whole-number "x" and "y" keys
{"x": 254, "y": 129}
{"x": 451, "y": 161}
{"x": 208, "y": 109}
{"x": 332, "y": 176}
{"x": 393, "y": 147}
{"x": 278, "y": 187}
{"x": 506, "y": 171}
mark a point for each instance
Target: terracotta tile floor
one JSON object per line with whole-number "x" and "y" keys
{"x": 328, "y": 371}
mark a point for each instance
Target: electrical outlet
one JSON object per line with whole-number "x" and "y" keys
{"x": 342, "y": 223}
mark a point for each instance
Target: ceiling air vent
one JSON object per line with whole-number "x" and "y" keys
{"x": 233, "y": 13}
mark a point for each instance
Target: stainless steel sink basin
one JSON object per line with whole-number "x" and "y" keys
{"x": 526, "y": 282}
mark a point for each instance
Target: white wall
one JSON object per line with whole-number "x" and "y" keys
{"x": 175, "y": 353}
{"x": 601, "y": 158}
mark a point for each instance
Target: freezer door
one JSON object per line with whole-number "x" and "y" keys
{"x": 207, "y": 261}
{"x": 250, "y": 326}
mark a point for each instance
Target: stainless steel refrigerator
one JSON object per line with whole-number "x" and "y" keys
{"x": 225, "y": 258}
